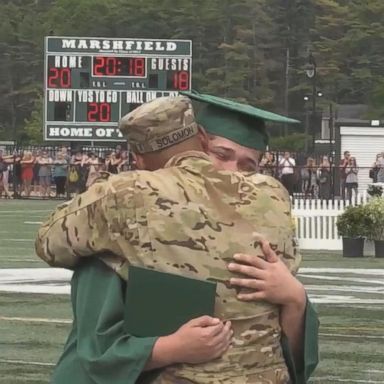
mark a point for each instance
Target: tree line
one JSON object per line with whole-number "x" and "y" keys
{"x": 254, "y": 51}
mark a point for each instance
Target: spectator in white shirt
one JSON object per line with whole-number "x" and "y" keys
{"x": 287, "y": 167}
{"x": 351, "y": 180}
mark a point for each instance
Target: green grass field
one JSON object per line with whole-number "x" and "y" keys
{"x": 33, "y": 327}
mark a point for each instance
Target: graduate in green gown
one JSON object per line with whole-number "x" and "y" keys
{"x": 98, "y": 349}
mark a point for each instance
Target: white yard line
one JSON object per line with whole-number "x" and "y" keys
{"x": 357, "y": 271}
{"x": 21, "y": 260}
{"x": 345, "y": 288}
{"x": 342, "y": 300}
{"x": 57, "y": 281}
{"x": 359, "y": 329}
{"x": 334, "y": 379}
{"x": 352, "y": 336}
{"x": 30, "y": 230}
{"x": 29, "y": 211}
{"x": 33, "y": 222}
{"x": 35, "y": 280}
{"x": 338, "y": 278}
{"x": 373, "y": 371}
{"x": 18, "y": 240}
{"x": 36, "y": 320}
{"x": 6, "y": 361}
{"x": 53, "y": 272}
{"x": 35, "y": 274}
{"x": 39, "y": 289}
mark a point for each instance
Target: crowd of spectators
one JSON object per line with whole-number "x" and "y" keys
{"x": 60, "y": 174}
{"x": 314, "y": 178}
{"x": 310, "y": 180}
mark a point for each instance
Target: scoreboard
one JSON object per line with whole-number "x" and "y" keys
{"x": 90, "y": 83}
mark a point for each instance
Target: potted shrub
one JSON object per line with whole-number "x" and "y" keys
{"x": 351, "y": 226}
{"x": 375, "y": 190}
{"x": 374, "y": 211}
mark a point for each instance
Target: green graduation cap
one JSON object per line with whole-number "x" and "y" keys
{"x": 238, "y": 122}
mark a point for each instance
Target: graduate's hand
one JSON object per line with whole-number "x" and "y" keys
{"x": 202, "y": 339}
{"x": 268, "y": 279}
{"x": 198, "y": 341}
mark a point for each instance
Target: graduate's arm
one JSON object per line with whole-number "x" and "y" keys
{"x": 272, "y": 281}
{"x": 310, "y": 346}
{"x": 106, "y": 352}
{"x": 111, "y": 355}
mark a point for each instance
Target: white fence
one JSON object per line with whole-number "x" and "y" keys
{"x": 316, "y": 221}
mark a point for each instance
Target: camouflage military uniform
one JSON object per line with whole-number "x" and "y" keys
{"x": 187, "y": 219}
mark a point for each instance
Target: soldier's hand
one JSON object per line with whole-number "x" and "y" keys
{"x": 202, "y": 339}
{"x": 268, "y": 280}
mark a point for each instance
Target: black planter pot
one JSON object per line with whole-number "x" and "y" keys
{"x": 379, "y": 248}
{"x": 353, "y": 247}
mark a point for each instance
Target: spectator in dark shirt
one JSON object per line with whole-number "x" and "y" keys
{"x": 343, "y": 165}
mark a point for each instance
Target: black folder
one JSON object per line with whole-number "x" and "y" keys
{"x": 158, "y": 303}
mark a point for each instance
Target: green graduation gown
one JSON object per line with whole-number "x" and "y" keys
{"x": 98, "y": 350}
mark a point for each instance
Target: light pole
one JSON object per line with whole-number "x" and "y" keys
{"x": 307, "y": 98}
{"x": 311, "y": 72}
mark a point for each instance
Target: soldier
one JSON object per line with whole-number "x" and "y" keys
{"x": 195, "y": 213}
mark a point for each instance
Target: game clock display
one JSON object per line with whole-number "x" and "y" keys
{"x": 90, "y": 83}
{"x": 119, "y": 66}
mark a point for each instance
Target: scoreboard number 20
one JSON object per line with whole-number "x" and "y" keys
{"x": 59, "y": 78}
{"x": 99, "y": 112}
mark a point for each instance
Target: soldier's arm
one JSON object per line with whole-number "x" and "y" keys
{"x": 76, "y": 229}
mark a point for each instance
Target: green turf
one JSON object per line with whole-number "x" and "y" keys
{"x": 36, "y": 306}
{"x": 351, "y": 335}
{"x": 23, "y": 373}
{"x": 327, "y": 259}
{"x": 18, "y": 227}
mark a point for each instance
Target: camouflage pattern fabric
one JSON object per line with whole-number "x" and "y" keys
{"x": 159, "y": 124}
{"x": 270, "y": 376}
{"x": 187, "y": 219}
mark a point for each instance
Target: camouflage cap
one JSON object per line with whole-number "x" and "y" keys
{"x": 159, "y": 124}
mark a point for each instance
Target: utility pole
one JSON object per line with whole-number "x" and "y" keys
{"x": 330, "y": 122}
{"x": 286, "y": 89}
{"x": 306, "y": 127}
{"x": 311, "y": 74}
{"x": 331, "y": 155}
{"x": 314, "y": 94}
